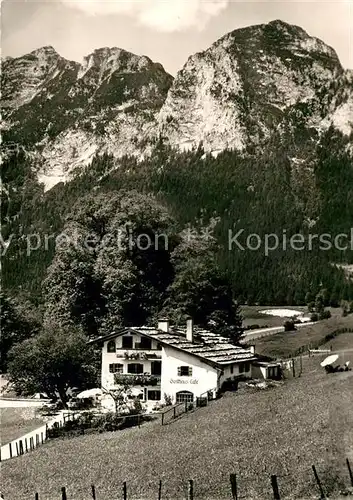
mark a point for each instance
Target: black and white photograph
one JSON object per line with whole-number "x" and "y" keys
{"x": 176, "y": 250}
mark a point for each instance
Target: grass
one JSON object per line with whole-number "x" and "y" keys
{"x": 255, "y": 433}
{"x": 253, "y": 316}
{"x": 342, "y": 342}
{"x": 18, "y": 421}
{"x": 287, "y": 344}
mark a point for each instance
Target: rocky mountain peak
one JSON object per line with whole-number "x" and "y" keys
{"x": 110, "y": 60}
{"x": 47, "y": 50}
{"x": 243, "y": 86}
{"x": 24, "y": 77}
{"x": 246, "y": 86}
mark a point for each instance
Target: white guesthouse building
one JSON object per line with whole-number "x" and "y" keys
{"x": 173, "y": 363}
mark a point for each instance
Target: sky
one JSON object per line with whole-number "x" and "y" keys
{"x": 168, "y": 31}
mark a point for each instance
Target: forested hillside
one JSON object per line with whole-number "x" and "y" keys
{"x": 291, "y": 186}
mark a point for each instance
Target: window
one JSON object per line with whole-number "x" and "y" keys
{"x": 154, "y": 395}
{"x": 184, "y": 397}
{"x": 184, "y": 371}
{"x": 111, "y": 346}
{"x": 127, "y": 342}
{"x": 134, "y": 368}
{"x": 244, "y": 367}
{"x": 145, "y": 343}
{"x": 116, "y": 368}
{"x": 156, "y": 367}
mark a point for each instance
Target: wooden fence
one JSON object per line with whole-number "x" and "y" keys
{"x": 179, "y": 409}
{"x": 234, "y": 488}
{"x": 33, "y": 439}
{"x": 316, "y": 345}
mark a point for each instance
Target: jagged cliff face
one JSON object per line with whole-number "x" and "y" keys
{"x": 248, "y": 84}
{"x": 66, "y": 112}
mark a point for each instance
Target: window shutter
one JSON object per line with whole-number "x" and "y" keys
{"x": 179, "y": 371}
{"x": 190, "y": 371}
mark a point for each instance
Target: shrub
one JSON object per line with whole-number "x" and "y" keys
{"x": 167, "y": 399}
{"x": 289, "y": 326}
{"x": 314, "y": 317}
{"x": 326, "y": 314}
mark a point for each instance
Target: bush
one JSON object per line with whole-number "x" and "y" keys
{"x": 105, "y": 422}
{"x": 326, "y": 314}
{"x": 289, "y": 326}
{"x": 168, "y": 399}
{"x": 314, "y": 317}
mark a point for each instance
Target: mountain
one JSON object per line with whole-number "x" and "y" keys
{"x": 236, "y": 94}
{"x": 253, "y": 81}
{"x": 65, "y": 112}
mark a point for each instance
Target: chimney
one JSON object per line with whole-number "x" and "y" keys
{"x": 163, "y": 324}
{"x": 252, "y": 349}
{"x": 190, "y": 329}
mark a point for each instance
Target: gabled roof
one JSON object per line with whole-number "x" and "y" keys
{"x": 208, "y": 346}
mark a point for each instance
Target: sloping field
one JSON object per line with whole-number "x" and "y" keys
{"x": 14, "y": 422}
{"x": 287, "y": 344}
{"x": 255, "y": 433}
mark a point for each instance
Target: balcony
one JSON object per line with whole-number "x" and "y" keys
{"x": 137, "y": 379}
{"x": 139, "y": 355}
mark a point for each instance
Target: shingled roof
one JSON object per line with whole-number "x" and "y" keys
{"x": 213, "y": 348}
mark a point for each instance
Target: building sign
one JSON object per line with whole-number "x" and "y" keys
{"x": 183, "y": 381}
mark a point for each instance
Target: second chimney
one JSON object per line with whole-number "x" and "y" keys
{"x": 190, "y": 329}
{"x": 163, "y": 324}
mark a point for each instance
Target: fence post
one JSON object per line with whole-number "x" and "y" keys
{"x": 191, "y": 490}
{"x": 160, "y": 490}
{"x": 10, "y": 449}
{"x": 37, "y": 439}
{"x": 46, "y": 431}
{"x": 233, "y": 483}
{"x": 124, "y": 491}
{"x": 275, "y": 487}
{"x": 174, "y": 411}
{"x": 63, "y": 493}
{"x": 26, "y": 445}
{"x": 93, "y": 492}
{"x": 186, "y": 406}
{"x": 36, "y": 496}
{"x": 349, "y": 471}
{"x": 138, "y": 420}
{"x": 21, "y": 446}
{"x": 163, "y": 418}
{"x": 322, "y": 494}
{"x": 293, "y": 368}
{"x": 42, "y": 437}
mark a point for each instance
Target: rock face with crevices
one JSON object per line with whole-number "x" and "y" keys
{"x": 67, "y": 112}
{"x": 249, "y": 84}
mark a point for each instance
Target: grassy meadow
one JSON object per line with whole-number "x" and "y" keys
{"x": 252, "y": 315}
{"x": 14, "y": 422}
{"x": 282, "y": 430}
{"x": 287, "y": 344}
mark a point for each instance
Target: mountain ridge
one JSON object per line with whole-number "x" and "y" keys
{"x": 248, "y": 84}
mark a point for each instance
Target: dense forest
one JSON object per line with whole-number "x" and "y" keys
{"x": 293, "y": 185}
